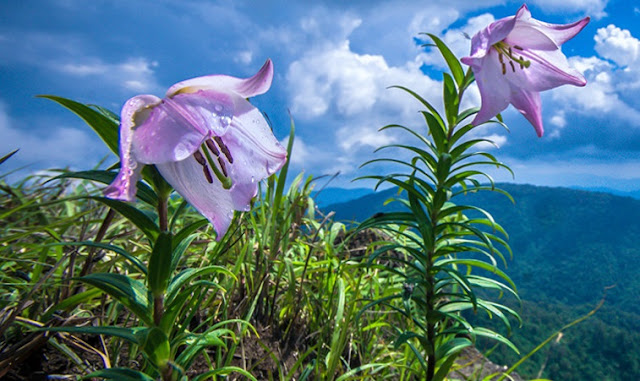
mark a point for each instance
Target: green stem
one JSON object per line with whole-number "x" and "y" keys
{"x": 158, "y": 309}
{"x": 162, "y": 214}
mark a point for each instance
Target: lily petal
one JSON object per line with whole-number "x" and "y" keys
{"x": 562, "y": 33}
{"x": 495, "y": 94}
{"x": 529, "y": 105}
{"x": 211, "y": 200}
{"x": 548, "y": 70}
{"x": 246, "y": 88}
{"x": 124, "y": 186}
{"x": 178, "y": 126}
{"x": 256, "y": 152}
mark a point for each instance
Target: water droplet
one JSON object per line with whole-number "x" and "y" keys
{"x": 253, "y": 180}
{"x": 230, "y": 215}
{"x": 225, "y": 121}
{"x": 180, "y": 151}
{"x": 218, "y": 108}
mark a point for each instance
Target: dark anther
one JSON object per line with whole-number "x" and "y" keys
{"x": 223, "y": 148}
{"x": 518, "y": 47}
{"x": 504, "y": 69}
{"x": 501, "y": 58}
{"x": 223, "y": 167}
{"x": 212, "y": 147}
{"x": 200, "y": 159}
{"x": 207, "y": 174}
{"x": 513, "y": 67}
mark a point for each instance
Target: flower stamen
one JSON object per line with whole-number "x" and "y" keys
{"x": 205, "y": 169}
{"x": 223, "y": 148}
{"x": 505, "y": 49}
{"x": 221, "y": 174}
{"x": 212, "y": 147}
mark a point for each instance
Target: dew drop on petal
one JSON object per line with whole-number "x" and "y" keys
{"x": 180, "y": 150}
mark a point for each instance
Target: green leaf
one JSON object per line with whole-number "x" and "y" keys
{"x": 179, "y": 250}
{"x": 71, "y": 302}
{"x": 144, "y": 193}
{"x": 224, "y": 371}
{"x": 132, "y": 335}
{"x": 136, "y": 216}
{"x": 105, "y": 127}
{"x": 160, "y": 264}
{"x": 130, "y": 292}
{"x": 155, "y": 345}
{"x": 119, "y": 374}
{"x": 450, "y": 58}
{"x": 452, "y": 347}
{"x": 118, "y": 250}
{"x": 495, "y": 336}
{"x": 451, "y": 100}
{"x": 188, "y": 230}
{"x": 184, "y": 277}
{"x": 7, "y": 156}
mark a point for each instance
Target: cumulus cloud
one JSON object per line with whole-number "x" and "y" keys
{"x": 610, "y": 77}
{"x": 57, "y": 147}
{"x": 134, "y": 74}
{"x": 68, "y": 55}
{"x": 593, "y": 8}
{"x": 617, "y": 45}
{"x": 349, "y": 83}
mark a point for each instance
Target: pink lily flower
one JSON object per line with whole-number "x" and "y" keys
{"x": 517, "y": 57}
{"x": 206, "y": 140}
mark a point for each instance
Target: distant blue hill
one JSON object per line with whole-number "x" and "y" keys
{"x": 581, "y": 241}
{"x": 328, "y": 196}
{"x": 633, "y": 194}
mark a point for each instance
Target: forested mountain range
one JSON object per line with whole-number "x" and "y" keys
{"x": 569, "y": 245}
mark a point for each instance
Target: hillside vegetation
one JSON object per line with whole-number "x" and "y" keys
{"x": 568, "y": 245}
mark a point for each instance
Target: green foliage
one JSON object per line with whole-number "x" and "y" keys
{"x": 440, "y": 255}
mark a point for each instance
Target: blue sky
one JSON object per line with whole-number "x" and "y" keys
{"x": 333, "y": 61}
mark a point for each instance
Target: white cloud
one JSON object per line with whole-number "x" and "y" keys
{"x": 134, "y": 74}
{"x": 245, "y": 57}
{"x": 51, "y": 147}
{"x": 617, "y": 45}
{"x": 612, "y": 78}
{"x": 498, "y": 140}
{"x": 351, "y": 136}
{"x": 349, "y": 83}
{"x": 593, "y": 8}
{"x": 71, "y": 56}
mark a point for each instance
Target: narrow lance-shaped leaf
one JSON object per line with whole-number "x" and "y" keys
{"x": 105, "y": 127}
{"x": 160, "y": 264}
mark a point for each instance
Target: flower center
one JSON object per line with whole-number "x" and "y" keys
{"x": 506, "y": 50}
{"x": 221, "y": 152}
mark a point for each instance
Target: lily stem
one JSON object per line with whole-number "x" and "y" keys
{"x": 162, "y": 215}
